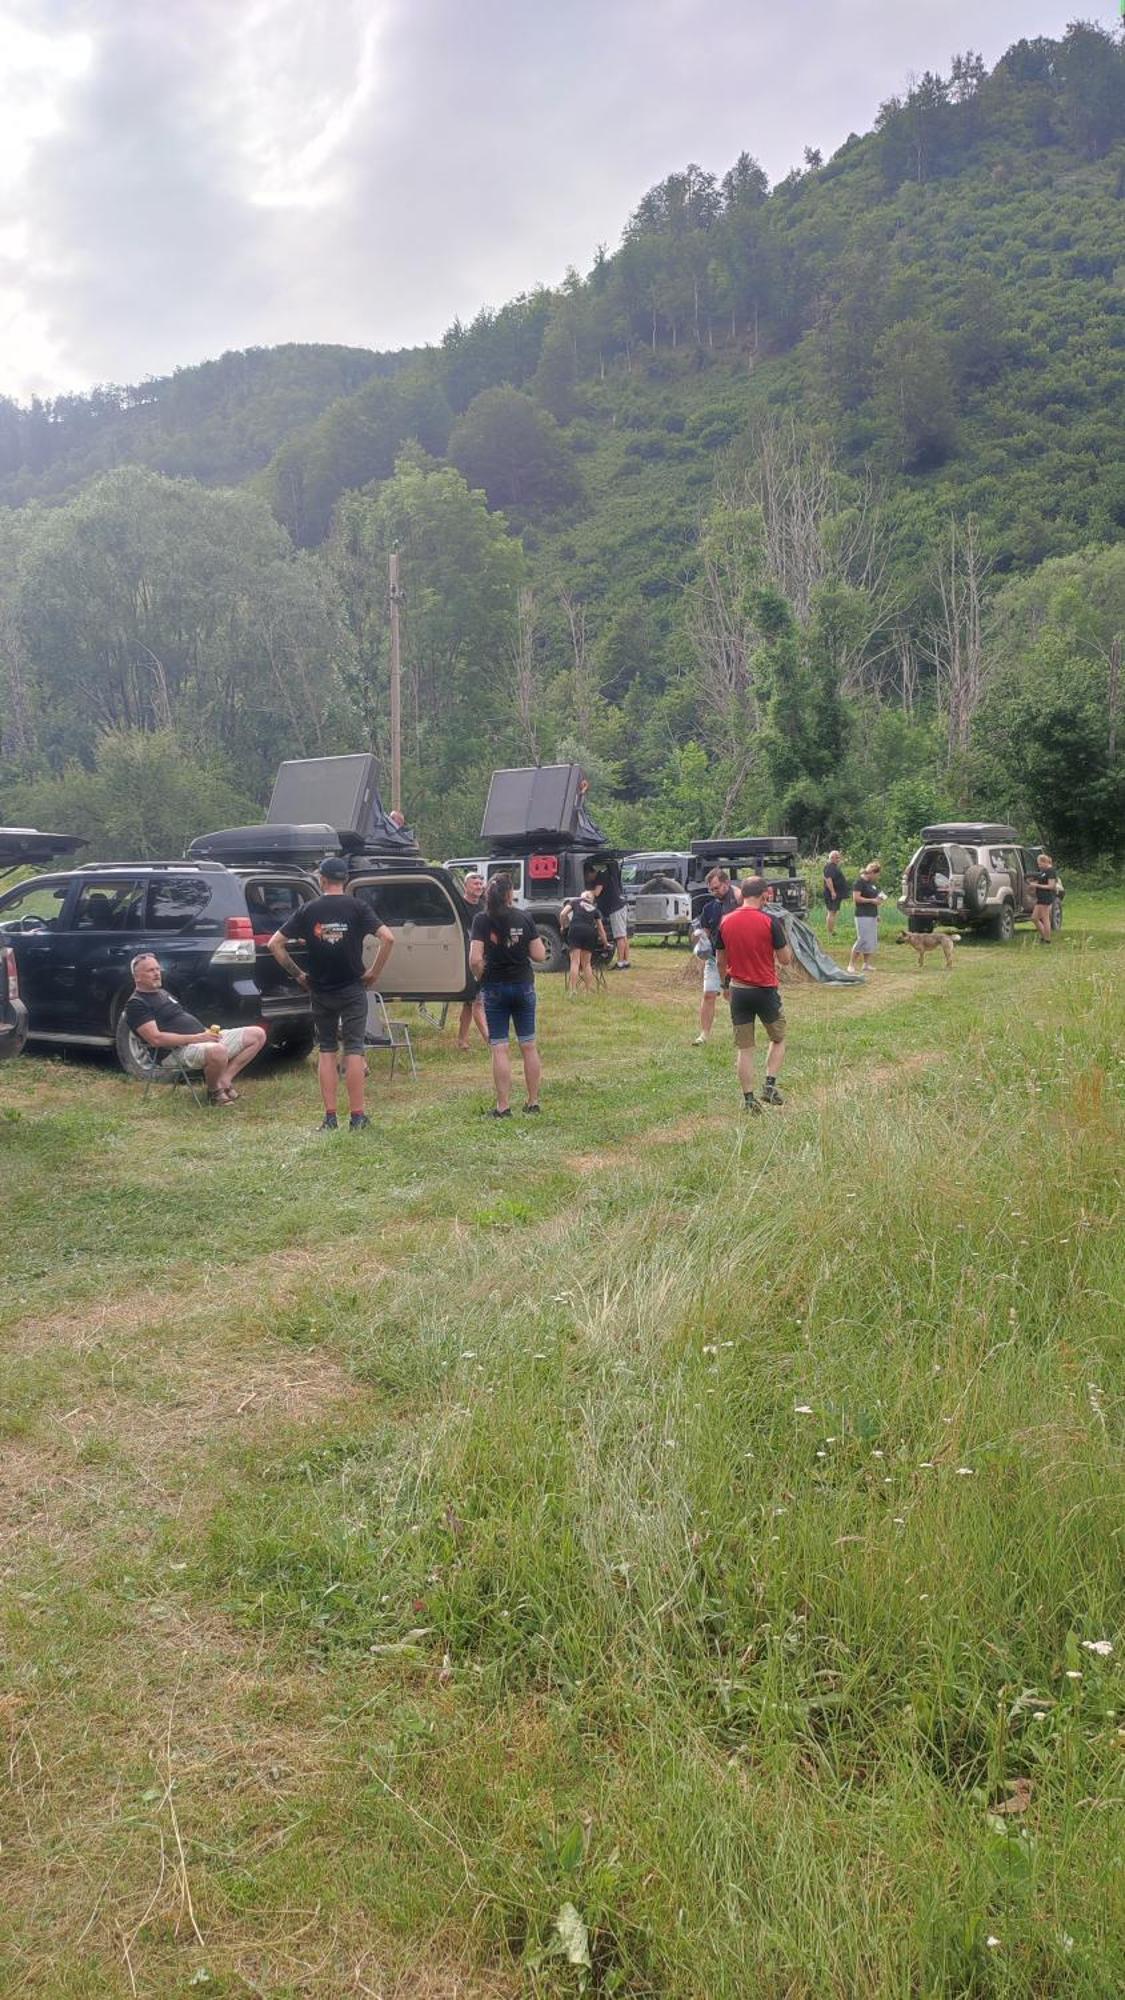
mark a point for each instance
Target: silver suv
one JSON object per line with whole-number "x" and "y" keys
{"x": 972, "y": 875}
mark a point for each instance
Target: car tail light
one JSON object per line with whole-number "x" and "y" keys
{"x": 13, "y": 973}
{"x": 237, "y": 947}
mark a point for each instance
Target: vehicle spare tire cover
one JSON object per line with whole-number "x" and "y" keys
{"x": 976, "y": 887}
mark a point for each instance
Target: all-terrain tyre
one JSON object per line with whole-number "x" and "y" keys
{"x": 1002, "y": 927}
{"x": 294, "y": 1048}
{"x": 975, "y": 888}
{"x": 558, "y": 957}
{"x": 135, "y": 1056}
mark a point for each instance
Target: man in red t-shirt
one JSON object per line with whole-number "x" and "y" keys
{"x": 752, "y": 944}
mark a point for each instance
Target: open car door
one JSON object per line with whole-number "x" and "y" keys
{"x": 430, "y": 960}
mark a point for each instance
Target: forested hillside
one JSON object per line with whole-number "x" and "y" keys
{"x": 805, "y": 507}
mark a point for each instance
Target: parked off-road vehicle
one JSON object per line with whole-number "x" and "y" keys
{"x": 659, "y": 882}
{"x": 972, "y": 875}
{"x": 536, "y": 830}
{"x": 19, "y": 847}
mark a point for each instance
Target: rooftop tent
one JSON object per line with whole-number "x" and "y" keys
{"x": 973, "y": 831}
{"x": 764, "y": 847}
{"x": 340, "y": 792}
{"x": 541, "y": 802}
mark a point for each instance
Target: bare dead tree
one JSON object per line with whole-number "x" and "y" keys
{"x": 585, "y": 689}
{"x": 524, "y": 675}
{"x": 1113, "y": 693}
{"x": 955, "y": 641}
{"x": 18, "y": 735}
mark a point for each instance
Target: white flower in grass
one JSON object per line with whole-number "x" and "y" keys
{"x": 802, "y": 1409}
{"x": 965, "y": 1472}
{"x": 1073, "y": 1674}
{"x": 1102, "y": 1647}
{"x": 991, "y": 1942}
{"x": 710, "y": 1350}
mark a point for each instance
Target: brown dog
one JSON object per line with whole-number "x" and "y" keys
{"x": 921, "y": 942}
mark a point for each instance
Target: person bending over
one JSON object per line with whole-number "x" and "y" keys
{"x": 752, "y": 944}
{"x": 504, "y": 946}
{"x": 332, "y": 928}
{"x": 157, "y": 1019}
{"x": 585, "y": 932}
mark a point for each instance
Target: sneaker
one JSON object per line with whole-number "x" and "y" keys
{"x": 329, "y": 1122}
{"x": 497, "y": 1113}
{"x": 750, "y": 1103}
{"x": 532, "y": 1110}
{"x": 358, "y": 1122}
{"x": 701, "y": 1041}
{"x": 772, "y": 1095}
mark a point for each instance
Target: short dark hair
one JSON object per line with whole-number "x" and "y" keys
{"x": 753, "y": 886}
{"x": 718, "y": 875}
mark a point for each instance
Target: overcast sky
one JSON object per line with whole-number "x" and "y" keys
{"x": 182, "y": 176}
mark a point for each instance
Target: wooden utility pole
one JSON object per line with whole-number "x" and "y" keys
{"x": 396, "y": 691}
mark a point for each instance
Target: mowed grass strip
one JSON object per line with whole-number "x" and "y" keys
{"x": 711, "y": 1529}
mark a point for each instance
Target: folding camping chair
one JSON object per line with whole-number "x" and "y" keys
{"x": 173, "y": 1069}
{"x": 383, "y": 1033}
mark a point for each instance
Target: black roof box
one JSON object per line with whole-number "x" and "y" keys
{"x": 782, "y": 846}
{"x": 286, "y": 846}
{"x": 971, "y": 830}
{"x": 541, "y": 803}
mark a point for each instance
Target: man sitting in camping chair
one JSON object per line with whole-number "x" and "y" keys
{"x": 175, "y": 1035}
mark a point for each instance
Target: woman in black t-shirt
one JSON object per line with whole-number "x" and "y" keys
{"x": 504, "y": 945}
{"x": 1046, "y": 889}
{"x": 585, "y": 931}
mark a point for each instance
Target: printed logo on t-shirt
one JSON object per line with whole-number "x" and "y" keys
{"x": 327, "y": 932}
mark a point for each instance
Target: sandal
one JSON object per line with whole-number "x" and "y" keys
{"x": 219, "y": 1097}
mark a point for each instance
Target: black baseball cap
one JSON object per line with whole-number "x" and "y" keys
{"x": 333, "y": 868}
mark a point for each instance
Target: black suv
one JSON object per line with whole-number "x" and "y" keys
{"x": 72, "y": 937}
{"x": 19, "y": 846}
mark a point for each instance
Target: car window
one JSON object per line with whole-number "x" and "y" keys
{"x": 419, "y": 901}
{"x": 960, "y": 859}
{"x": 175, "y": 902}
{"x": 269, "y": 903}
{"x": 512, "y": 869}
{"x": 39, "y": 901}
{"x": 109, "y": 905}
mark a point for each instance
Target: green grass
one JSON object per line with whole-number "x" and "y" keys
{"x": 697, "y": 1524}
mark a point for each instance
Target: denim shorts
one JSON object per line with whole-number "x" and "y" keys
{"x": 509, "y": 1003}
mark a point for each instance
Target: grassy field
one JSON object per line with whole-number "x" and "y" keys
{"x": 639, "y": 1551}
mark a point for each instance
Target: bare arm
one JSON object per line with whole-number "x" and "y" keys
{"x": 278, "y": 946}
{"x": 785, "y": 955}
{"x": 537, "y": 950}
{"x": 476, "y": 957}
{"x": 386, "y": 939}
{"x": 160, "y": 1038}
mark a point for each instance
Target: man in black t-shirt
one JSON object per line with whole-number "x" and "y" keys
{"x": 835, "y": 889}
{"x": 333, "y": 929}
{"x": 605, "y": 881}
{"x": 157, "y": 1019}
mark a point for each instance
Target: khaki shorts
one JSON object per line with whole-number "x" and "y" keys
{"x": 751, "y": 1004}
{"x": 195, "y": 1054}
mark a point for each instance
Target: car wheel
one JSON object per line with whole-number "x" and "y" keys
{"x": 1003, "y": 924}
{"x": 975, "y": 888}
{"x": 296, "y": 1048}
{"x": 135, "y": 1056}
{"x": 557, "y": 954}
{"x": 921, "y": 926}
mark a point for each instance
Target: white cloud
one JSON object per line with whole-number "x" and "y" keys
{"x": 182, "y": 178}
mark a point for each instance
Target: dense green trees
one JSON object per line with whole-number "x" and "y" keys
{"x": 690, "y": 516}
